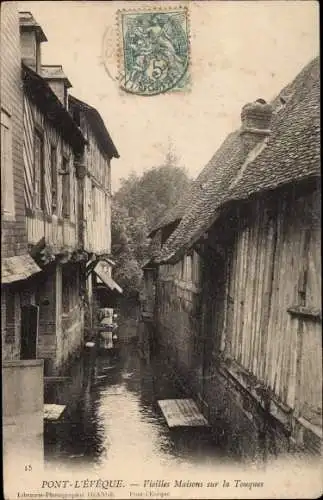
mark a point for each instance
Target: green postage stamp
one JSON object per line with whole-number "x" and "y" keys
{"x": 153, "y": 51}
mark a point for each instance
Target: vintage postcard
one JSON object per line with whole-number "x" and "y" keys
{"x": 161, "y": 250}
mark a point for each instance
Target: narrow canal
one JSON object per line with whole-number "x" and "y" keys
{"x": 112, "y": 415}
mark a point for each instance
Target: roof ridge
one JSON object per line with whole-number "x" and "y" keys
{"x": 233, "y": 172}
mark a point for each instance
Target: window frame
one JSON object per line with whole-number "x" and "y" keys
{"x": 66, "y": 188}
{"x": 54, "y": 178}
{"x": 39, "y": 201}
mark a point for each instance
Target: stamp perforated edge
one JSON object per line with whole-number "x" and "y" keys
{"x": 144, "y": 10}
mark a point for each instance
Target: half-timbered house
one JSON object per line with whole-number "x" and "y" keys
{"x": 246, "y": 336}
{"x": 51, "y": 144}
{"x": 94, "y": 189}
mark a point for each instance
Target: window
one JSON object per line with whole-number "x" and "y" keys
{"x": 39, "y": 174}
{"x": 7, "y": 193}
{"x": 53, "y": 168}
{"x": 66, "y": 208}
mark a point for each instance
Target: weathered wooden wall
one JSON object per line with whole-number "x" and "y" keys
{"x": 13, "y": 226}
{"x": 275, "y": 268}
{"x": 178, "y": 302}
{"x": 13, "y": 219}
{"x": 247, "y": 336}
{"x": 60, "y": 232}
{"x": 97, "y": 196}
{"x": 261, "y": 328}
{"x": 97, "y": 216}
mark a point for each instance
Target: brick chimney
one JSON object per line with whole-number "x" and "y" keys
{"x": 57, "y": 80}
{"x": 31, "y": 36}
{"x": 255, "y": 123}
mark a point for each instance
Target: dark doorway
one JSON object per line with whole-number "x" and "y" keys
{"x": 214, "y": 306}
{"x": 29, "y": 332}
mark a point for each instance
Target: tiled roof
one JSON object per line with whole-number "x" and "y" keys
{"x": 39, "y": 91}
{"x": 223, "y": 167}
{"x": 178, "y": 211}
{"x": 293, "y": 148}
{"x": 170, "y": 216}
{"x": 97, "y": 125}
{"x": 289, "y": 154}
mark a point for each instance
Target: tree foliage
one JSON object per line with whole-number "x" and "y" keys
{"x": 136, "y": 206}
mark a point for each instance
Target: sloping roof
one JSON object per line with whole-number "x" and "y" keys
{"x": 170, "y": 216}
{"x": 176, "y": 212}
{"x": 289, "y": 154}
{"x": 149, "y": 264}
{"x": 17, "y": 268}
{"x": 221, "y": 169}
{"x": 42, "y": 95}
{"x": 105, "y": 278}
{"x": 292, "y": 152}
{"x": 54, "y": 72}
{"x": 98, "y": 126}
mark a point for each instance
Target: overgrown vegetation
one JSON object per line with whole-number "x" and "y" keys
{"x": 136, "y": 207}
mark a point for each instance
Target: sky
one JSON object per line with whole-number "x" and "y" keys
{"x": 239, "y": 51}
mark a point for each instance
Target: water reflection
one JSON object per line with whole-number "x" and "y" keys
{"x": 113, "y": 413}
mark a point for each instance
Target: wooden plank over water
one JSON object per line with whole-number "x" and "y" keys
{"x": 182, "y": 413}
{"x": 53, "y": 412}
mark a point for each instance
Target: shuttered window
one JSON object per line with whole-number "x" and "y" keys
{"x": 39, "y": 174}
{"x": 66, "y": 206}
{"x": 53, "y": 166}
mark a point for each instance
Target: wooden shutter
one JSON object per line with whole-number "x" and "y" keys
{"x": 53, "y": 161}
{"x": 66, "y": 189}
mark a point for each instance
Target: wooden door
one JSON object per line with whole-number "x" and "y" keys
{"x": 29, "y": 331}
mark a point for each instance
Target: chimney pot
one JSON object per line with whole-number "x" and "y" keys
{"x": 255, "y": 123}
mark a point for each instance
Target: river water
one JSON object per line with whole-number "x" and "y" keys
{"x": 112, "y": 417}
